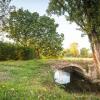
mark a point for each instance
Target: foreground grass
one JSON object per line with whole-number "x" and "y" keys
{"x": 33, "y": 80}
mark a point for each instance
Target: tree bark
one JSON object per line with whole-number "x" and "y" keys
{"x": 96, "y": 55}
{"x": 95, "y": 45}
{"x": 37, "y": 53}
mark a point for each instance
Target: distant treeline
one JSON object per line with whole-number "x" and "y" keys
{"x": 73, "y": 51}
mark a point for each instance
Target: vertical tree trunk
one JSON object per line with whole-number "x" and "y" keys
{"x": 37, "y": 53}
{"x": 95, "y": 44}
{"x": 96, "y": 55}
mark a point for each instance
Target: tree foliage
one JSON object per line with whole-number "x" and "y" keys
{"x": 20, "y": 26}
{"x": 66, "y": 53}
{"x": 4, "y": 10}
{"x": 84, "y": 52}
{"x": 86, "y": 14}
{"x": 74, "y": 49}
{"x": 30, "y": 29}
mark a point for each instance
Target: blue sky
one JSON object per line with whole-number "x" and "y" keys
{"x": 69, "y": 30}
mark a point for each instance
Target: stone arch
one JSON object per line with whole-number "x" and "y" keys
{"x": 76, "y": 72}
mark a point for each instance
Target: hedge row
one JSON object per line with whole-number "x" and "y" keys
{"x": 13, "y": 52}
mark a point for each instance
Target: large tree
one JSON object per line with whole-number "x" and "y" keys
{"x": 30, "y": 29}
{"x": 47, "y": 41}
{"x": 21, "y": 24}
{"x": 86, "y": 14}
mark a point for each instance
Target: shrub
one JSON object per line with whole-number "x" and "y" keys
{"x": 10, "y": 51}
{"x": 25, "y": 53}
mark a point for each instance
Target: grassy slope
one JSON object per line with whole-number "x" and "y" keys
{"x": 33, "y": 80}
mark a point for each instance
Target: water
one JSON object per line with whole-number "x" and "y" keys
{"x": 61, "y": 77}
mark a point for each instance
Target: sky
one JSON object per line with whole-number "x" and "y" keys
{"x": 71, "y": 34}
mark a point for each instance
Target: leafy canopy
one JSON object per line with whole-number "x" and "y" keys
{"x": 84, "y": 13}
{"x": 30, "y": 29}
{"x": 4, "y": 11}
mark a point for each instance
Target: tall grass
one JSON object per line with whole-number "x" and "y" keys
{"x": 33, "y": 80}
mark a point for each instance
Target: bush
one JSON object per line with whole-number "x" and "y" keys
{"x": 10, "y": 51}
{"x": 25, "y": 53}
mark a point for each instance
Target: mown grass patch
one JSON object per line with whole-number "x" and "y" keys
{"x": 33, "y": 80}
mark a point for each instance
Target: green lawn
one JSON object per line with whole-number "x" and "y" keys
{"x": 33, "y": 80}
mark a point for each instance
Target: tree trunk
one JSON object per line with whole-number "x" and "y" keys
{"x": 95, "y": 45}
{"x": 96, "y": 55}
{"x": 37, "y": 53}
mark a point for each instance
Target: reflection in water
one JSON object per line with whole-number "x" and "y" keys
{"x": 61, "y": 77}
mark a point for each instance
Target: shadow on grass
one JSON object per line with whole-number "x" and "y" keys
{"x": 81, "y": 86}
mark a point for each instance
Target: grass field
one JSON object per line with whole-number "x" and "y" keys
{"x": 77, "y": 59}
{"x": 33, "y": 80}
